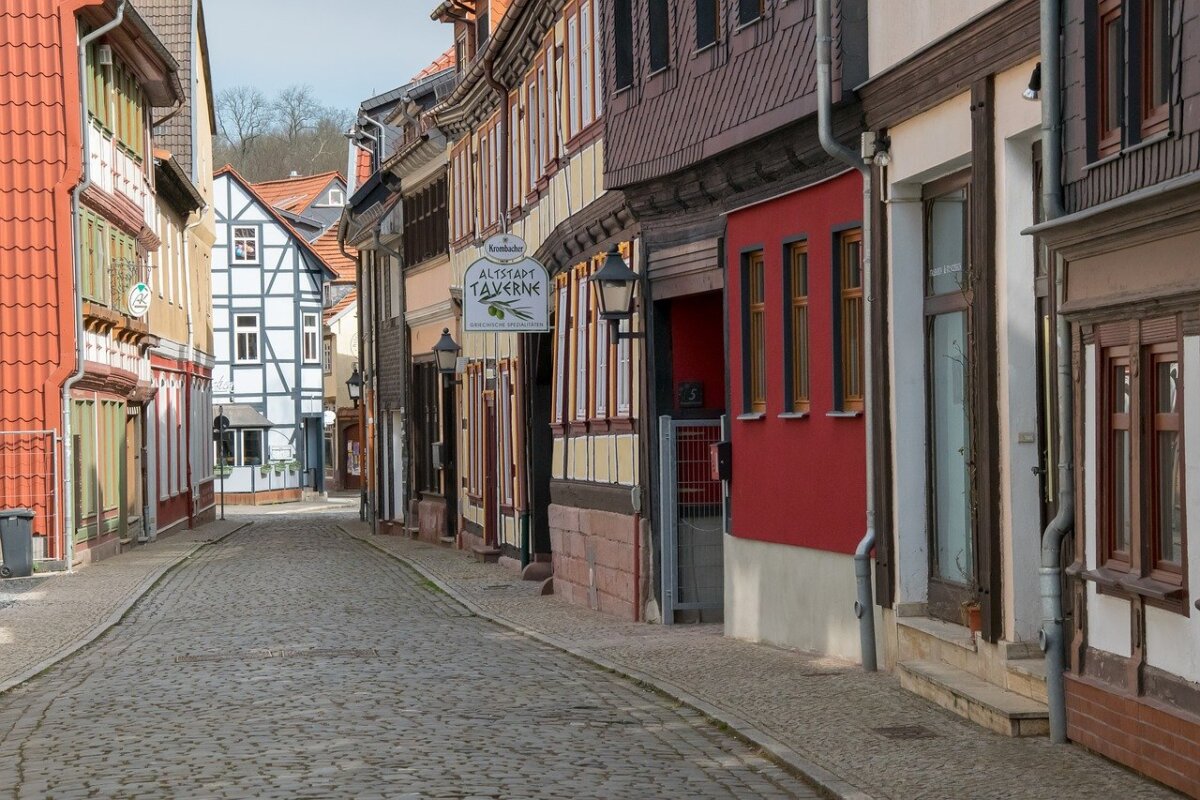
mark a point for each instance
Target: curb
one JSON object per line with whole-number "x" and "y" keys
{"x": 821, "y": 778}
{"x": 102, "y": 627}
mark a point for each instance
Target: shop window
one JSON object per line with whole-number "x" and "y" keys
{"x": 849, "y": 274}
{"x": 754, "y": 343}
{"x": 795, "y": 320}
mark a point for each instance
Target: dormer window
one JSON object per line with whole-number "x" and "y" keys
{"x": 336, "y": 197}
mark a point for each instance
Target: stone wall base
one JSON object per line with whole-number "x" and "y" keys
{"x": 594, "y": 553}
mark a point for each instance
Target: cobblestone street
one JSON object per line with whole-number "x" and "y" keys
{"x": 290, "y": 660}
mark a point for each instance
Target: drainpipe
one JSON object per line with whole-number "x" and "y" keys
{"x": 77, "y": 271}
{"x": 405, "y": 387}
{"x": 175, "y": 109}
{"x": 1051, "y": 634}
{"x": 864, "y": 605}
{"x": 191, "y": 351}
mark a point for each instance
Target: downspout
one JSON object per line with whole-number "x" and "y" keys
{"x": 1051, "y": 635}
{"x": 191, "y": 353}
{"x": 405, "y": 388}
{"x": 864, "y": 605}
{"x": 77, "y": 272}
{"x": 175, "y": 110}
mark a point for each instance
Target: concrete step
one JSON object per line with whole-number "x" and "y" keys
{"x": 1027, "y": 677}
{"x": 988, "y": 705}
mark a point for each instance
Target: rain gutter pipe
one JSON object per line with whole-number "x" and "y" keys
{"x": 864, "y": 605}
{"x": 77, "y": 268}
{"x": 1051, "y": 634}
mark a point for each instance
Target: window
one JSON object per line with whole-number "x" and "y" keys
{"x": 562, "y": 328}
{"x": 245, "y": 328}
{"x": 707, "y": 22}
{"x": 336, "y": 197}
{"x": 327, "y": 355}
{"x": 796, "y": 328}
{"x": 750, "y": 10}
{"x": 658, "y": 23}
{"x": 425, "y": 223}
{"x": 1143, "y": 537}
{"x": 532, "y": 129}
{"x": 227, "y": 448}
{"x": 515, "y": 138}
{"x": 506, "y": 432}
{"x": 312, "y": 335}
{"x": 245, "y": 245}
{"x": 600, "y": 347}
{"x": 573, "y": 63}
{"x": 754, "y": 342}
{"x": 582, "y": 342}
{"x": 624, "y": 372}
{"x": 252, "y": 448}
{"x": 623, "y": 43}
{"x": 483, "y": 28}
{"x": 850, "y": 320}
{"x": 475, "y": 429}
{"x": 1156, "y": 65}
{"x": 1111, "y": 62}
{"x": 589, "y": 55}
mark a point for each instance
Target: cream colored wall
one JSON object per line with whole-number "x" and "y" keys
{"x": 898, "y": 28}
{"x": 168, "y": 309}
{"x": 345, "y": 356}
{"x": 205, "y": 234}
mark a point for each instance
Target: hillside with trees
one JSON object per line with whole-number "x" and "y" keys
{"x": 266, "y": 138}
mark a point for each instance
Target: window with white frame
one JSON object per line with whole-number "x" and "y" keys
{"x": 327, "y": 356}
{"x": 573, "y": 64}
{"x": 586, "y": 55}
{"x": 624, "y": 374}
{"x": 252, "y": 448}
{"x": 245, "y": 331}
{"x": 514, "y": 154}
{"x": 245, "y": 245}
{"x": 533, "y": 127}
{"x": 506, "y": 431}
{"x": 312, "y": 337}
{"x": 583, "y": 308}
{"x": 335, "y": 197}
{"x": 562, "y": 338}
{"x": 600, "y": 328}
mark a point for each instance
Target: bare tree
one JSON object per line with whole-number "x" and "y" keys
{"x": 268, "y": 139}
{"x": 244, "y": 116}
{"x": 296, "y": 110}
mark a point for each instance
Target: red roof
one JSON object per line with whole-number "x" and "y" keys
{"x": 327, "y": 248}
{"x": 444, "y": 61}
{"x": 362, "y": 166}
{"x": 340, "y": 306}
{"x": 295, "y": 194}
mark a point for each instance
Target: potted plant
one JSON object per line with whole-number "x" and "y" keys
{"x": 293, "y": 466}
{"x": 280, "y": 467}
{"x": 972, "y": 614}
{"x": 264, "y": 470}
{"x": 222, "y": 471}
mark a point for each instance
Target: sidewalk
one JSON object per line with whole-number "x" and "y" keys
{"x": 45, "y": 618}
{"x": 855, "y": 735}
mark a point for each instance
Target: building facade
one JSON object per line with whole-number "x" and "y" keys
{"x": 1123, "y": 243}
{"x": 80, "y": 207}
{"x": 268, "y": 287}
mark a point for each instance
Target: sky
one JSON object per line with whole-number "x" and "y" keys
{"x": 347, "y": 50}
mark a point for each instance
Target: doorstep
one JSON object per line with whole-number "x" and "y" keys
{"x": 485, "y": 554}
{"x": 986, "y": 704}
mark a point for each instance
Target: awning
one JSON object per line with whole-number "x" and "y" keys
{"x": 242, "y": 415}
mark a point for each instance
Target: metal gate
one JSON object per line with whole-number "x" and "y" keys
{"x": 29, "y": 479}
{"x": 693, "y": 568}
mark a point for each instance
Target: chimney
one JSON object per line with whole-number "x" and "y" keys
{"x": 294, "y": 174}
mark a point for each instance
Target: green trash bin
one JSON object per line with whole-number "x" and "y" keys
{"x": 16, "y": 542}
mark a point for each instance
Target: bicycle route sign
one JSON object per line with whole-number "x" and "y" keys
{"x": 504, "y": 291}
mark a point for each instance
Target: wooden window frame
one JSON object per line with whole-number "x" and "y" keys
{"x": 516, "y": 141}
{"x": 589, "y": 84}
{"x": 1139, "y": 345}
{"x": 573, "y": 55}
{"x": 754, "y": 342}
{"x": 1154, "y": 118}
{"x": 658, "y": 35}
{"x": 562, "y": 349}
{"x": 1108, "y": 140}
{"x": 797, "y": 344}
{"x": 581, "y": 361}
{"x": 624, "y": 60}
{"x": 851, "y": 309}
{"x": 602, "y": 347}
{"x": 715, "y": 5}
{"x": 746, "y": 7}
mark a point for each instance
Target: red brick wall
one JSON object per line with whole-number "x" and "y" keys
{"x": 594, "y": 550}
{"x": 1139, "y": 733}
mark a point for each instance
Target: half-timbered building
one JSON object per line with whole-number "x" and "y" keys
{"x": 268, "y": 286}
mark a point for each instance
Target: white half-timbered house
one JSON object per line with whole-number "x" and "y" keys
{"x": 268, "y": 285}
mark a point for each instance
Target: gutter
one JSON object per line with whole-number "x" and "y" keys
{"x": 77, "y": 272}
{"x": 864, "y": 605}
{"x": 1051, "y": 635}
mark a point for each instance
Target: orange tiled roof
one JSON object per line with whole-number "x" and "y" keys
{"x": 444, "y": 61}
{"x": 362, "y": 166}
{"x": 39, "y": 163}
{"x": 340, "y": 306}
{"x": 294, "y": 194}
{"x": 327, "y": 248}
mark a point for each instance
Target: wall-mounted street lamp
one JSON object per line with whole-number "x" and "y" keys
{"x": 446, "y": 352}
{"x": 615, "y": 283}
{"x": 354, "y": 386}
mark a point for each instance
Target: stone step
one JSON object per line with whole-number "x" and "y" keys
{"x": 486, "y": 555}
{"x": 988, "y": 705}
{"x": 1027, "y": 677}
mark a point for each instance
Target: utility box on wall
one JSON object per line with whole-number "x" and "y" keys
{"x": 721, "y": 457}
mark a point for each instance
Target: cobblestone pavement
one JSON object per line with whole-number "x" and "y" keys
{"x": 821, "y": 715}
{"x": 292, "y": 661}
{"x": 45, "y": 617}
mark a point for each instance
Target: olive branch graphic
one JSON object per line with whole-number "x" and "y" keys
{"x": 502, "y": 308}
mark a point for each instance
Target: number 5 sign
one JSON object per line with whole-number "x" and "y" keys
{"x": 139, "y": 300}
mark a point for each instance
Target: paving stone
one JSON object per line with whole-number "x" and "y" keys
{"x": 332, "y": 670}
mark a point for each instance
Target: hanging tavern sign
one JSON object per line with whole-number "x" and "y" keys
{"x": 505, "y": 291}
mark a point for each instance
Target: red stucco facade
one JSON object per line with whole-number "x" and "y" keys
{"x": 796, "y": 481}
